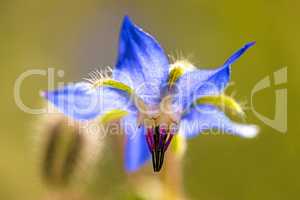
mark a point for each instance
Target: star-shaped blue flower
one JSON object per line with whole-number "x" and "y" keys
{"x": 153, "y": 100}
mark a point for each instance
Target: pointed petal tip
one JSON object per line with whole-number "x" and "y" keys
{"x": 128, "y": 27}
{"x": 239, "y": 53}
{"x": 43, "y": 93}
{"x": 250, "y": 44}
{"x": 126, "y": 18}
{"x": 249, "y": 131}
{"x": 127, "y": 22}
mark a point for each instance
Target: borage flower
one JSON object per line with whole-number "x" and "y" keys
{"x": 153, "y": 99}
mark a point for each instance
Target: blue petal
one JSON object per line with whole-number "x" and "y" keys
{"x": 80, "y": 101}
{"x": 189, "y": 83}
{"x": 136, "y": 149}
{"x": 195, "y": 84}
{"x": 142, "y": 63}
{"x": 238, "y": 53}
{"x": 207, "y": 118}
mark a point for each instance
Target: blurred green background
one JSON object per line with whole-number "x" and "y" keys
{"x": 78, "y": 36}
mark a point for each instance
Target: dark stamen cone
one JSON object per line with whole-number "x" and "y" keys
{"x": 161, "y": 140}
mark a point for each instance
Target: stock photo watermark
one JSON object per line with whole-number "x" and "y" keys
{"x": 96, "y": 99}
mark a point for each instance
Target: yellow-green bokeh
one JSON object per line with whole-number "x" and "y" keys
{"x": 78, "y": 36}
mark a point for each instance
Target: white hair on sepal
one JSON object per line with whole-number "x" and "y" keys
{"x": 242, "y": 103}
{"x": 178, "y": 59}
{"x": 99, "y": 74}
{"x": 184, "y": 64}
{"x": 179, "y": 55}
